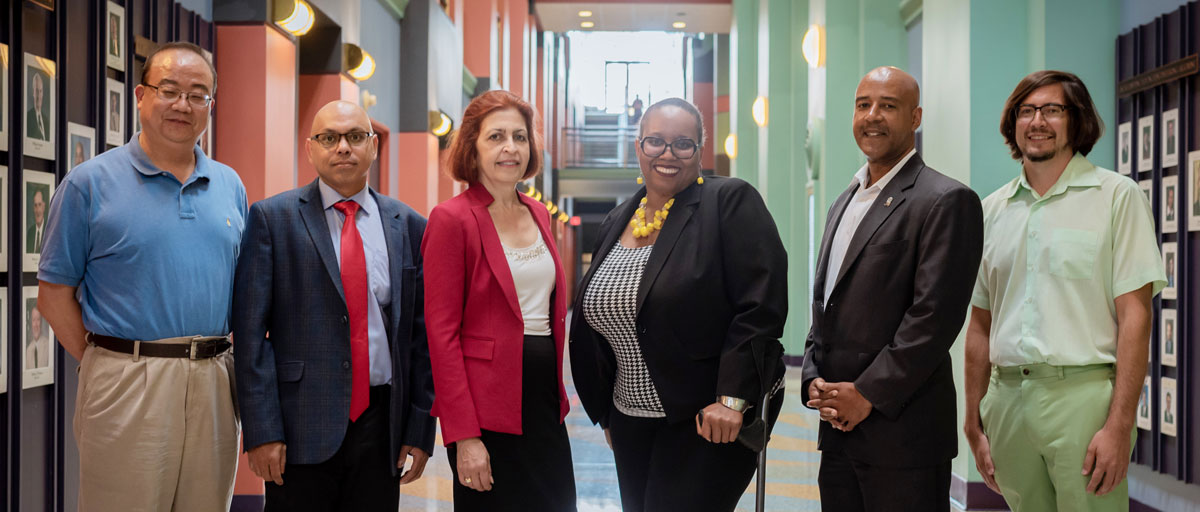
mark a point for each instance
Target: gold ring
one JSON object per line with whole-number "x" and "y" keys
{"x": 468, "y": 480}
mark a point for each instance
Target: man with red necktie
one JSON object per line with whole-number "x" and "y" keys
{"x": 332, "y": 363}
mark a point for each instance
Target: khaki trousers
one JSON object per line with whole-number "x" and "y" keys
{"x": 155, "y": 434}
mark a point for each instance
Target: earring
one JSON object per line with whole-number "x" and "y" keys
{"x": 639, "y": 179}
{"x": 699, "y": 180}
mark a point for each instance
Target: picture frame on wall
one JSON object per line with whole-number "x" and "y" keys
{"x": 37, "y": 343}
{"x": 45, "y": 4}
{"x": 114, "y": 100}
{"x": 1168, "y": 337}
{"x": 81, "y": 144}
{"x": 4, "y": 179}
{"x": 1125, "y": 148}
{"x": 1170, "y": 138}
{"x": 1147, "y": 187}
{"x": 1168, "y": 420}
{"x": 4, "y": 105}
{"x": 1145, "y": 147}
{"x": 38, "y": 188}
{"x": 1170, "y": 254}
{"x": 39, "y": 73}
{"x": 1193, "y": 179}
{"x": 1144, "y": 420}
{"x": 1169, "y": 216}
{"x": 114, "y": 37}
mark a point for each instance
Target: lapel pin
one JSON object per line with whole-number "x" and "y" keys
{"x": 888, "y": 202}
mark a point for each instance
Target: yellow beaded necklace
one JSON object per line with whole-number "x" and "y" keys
{"x": 643, "y": 228}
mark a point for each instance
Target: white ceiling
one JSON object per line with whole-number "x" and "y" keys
{"x": 628, "y": 16}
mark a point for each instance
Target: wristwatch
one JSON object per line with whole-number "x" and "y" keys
{"x": 737, "y": 404}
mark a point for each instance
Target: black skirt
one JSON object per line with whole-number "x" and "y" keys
{"x": 532, "y": 471}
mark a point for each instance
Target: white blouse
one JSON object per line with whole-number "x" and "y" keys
{"x": 533, "y": 276}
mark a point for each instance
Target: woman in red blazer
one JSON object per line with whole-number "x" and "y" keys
{"x": 495, "y": 304}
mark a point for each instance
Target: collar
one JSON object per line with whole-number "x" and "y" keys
{"x": 1080, "y": 172}
{"x": 330, "y": 196}
{"x": 863, "y": 173}
{"x": 141, "y": 161}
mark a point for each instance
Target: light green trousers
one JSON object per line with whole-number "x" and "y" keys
{"x": 1039, "y": 420}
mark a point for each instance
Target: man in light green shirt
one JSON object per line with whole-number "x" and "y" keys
{"x": 1060, "y": 321}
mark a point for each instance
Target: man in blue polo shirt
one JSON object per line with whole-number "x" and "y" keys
{"x": 136, "y": 279}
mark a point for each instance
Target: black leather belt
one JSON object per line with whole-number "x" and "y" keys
{"x": 200, "y": 347}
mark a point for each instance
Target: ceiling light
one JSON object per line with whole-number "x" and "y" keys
{"x": 679, "y": 24}
{"x": 587, "y": 24}
{"x": 585, "y": 14}
{"x": 301, "y": 19}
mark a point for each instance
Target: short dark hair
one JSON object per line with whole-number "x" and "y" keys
{"x": 463, "y": 159}
{"x": 1085, "y": 126}
{"x": 679, "y": 103}
{"x": 181, "y": 45}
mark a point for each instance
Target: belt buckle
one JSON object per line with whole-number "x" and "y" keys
{"x": 196, "y": 340}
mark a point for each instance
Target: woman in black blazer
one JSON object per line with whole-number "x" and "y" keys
{"x": 676, "y": 328}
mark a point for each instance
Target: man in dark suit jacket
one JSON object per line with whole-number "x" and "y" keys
{"x": 36, "y": 120}
{"x": 333, "y": 370}
{"x": 897, "y": 265}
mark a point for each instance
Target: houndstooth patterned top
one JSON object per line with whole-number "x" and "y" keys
{"x": 610, "y": 307}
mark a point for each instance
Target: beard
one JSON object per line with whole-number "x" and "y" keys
{"x": 1042, "y": 157}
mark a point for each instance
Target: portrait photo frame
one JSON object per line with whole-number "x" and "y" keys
{"x": 1145, "y": 420}
{"x": 1170, "y": 138}
{"x": 1145, "y": 146}
{"x": 35, "y": 183}
{"x": 114, "y": 104}
{"x": 4, "y": 179}
{"x": 114, "y": 37}
{"x": 1169, "y": 399}
{"x": 1169, "y": 214}
{"x": 1168, "y": 336}
{"x": 37, "y": 342}
{"x": 38, "y": 106}
{"x": 1147, "y": 187}
{"x": 1125, "y": 148}
{"x": 1193, "y": 180}
{"x": 81, "y": 144}
{"x": 4, "y": 104}
{"x": 1170, "y": 254}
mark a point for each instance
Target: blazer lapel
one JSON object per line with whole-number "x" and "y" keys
{"x": 889, "y": 200}
{"x": 396, "y": 238}
{"x": 667, "y": 237}
{"x": 494, "y": 252}
{"x": 838, "y": 210}
{"x": 313, "y": 214}
{"x": 607, "y": 239}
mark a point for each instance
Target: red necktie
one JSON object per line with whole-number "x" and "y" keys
{"x": 354, "y": 284}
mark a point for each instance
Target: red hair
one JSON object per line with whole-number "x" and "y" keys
{"x": 463, "y": 158}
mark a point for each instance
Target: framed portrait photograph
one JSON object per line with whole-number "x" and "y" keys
{"x": 114, "y": 100}
{"x": 114, "y": 40}
{"x": 4, "y": 105}
{"x": 45, "y": 4}
{"x": 1144, "y": 420}
{"x": 38, "y": 343}
{"x": 39, "y": 106}
{"x": 1170, "y": 398}
{"x": 38, "y": 188}
{"x": 1145, "y": 148}
{"x": 1169, "y": 253}
{"x": 81, "y": 144}
{"x": 1170, "y": 204}
{"x": 1170, "y": 138}
{"x": 1167, "y": 337}
{"x": 1147, "y": 186}
{"x": 3, "y": 220}
{"x": 1193, "y": 180}
{"x": 1125, "y": 148}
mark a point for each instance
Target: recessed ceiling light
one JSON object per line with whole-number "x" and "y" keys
{"x": 679, "y": 24}
{"x": 585, "y": 14}
{"x": 587, "y": 24}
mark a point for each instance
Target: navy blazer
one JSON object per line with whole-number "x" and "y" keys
{"x": 292, "y": 335}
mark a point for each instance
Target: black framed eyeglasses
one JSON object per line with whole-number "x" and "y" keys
{"x": 656, "y": 146}
{"x": 330, "y": 140}
{"x": 172, "y": 94}
{"x": 1049, "y": 111}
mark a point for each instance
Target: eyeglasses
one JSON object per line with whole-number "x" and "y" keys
{"x": 1049, "y": 111}
{"x": 655, "y": 146}
{"x": 171, "y": 95}
{"x": 330, "y": 140}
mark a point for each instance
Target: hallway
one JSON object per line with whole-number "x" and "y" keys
{"x": 791, "y": 466}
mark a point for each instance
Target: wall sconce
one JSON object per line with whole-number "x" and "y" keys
{"x": 759, "y": 111}
{"x": 814, "y": 46}
{"x": 440, "y": 124}
{"x": 358, "y": 63}
{"x": 297, "y": 20}
{"x": 731, "y": 146}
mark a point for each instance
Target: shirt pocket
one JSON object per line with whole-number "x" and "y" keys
{"x": 1073, "y": 253}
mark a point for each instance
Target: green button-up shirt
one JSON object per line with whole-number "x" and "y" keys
{"x": 1053, "y": 264}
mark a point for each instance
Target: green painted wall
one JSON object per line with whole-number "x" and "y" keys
{"x": 743, "y": 88}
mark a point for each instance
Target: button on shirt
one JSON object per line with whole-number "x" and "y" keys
{"x": 862, "y": 200}
{"x": 153, "y": 258}
{"x": 370, "y": 228}
{"x": 1053, "y": 264}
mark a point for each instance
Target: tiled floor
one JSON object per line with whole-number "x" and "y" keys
{"x": 791, "y": 464}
